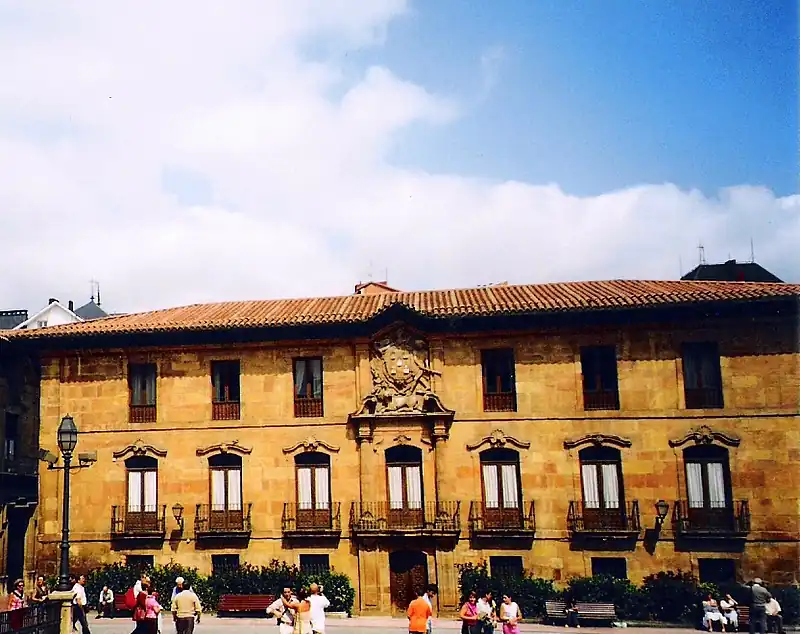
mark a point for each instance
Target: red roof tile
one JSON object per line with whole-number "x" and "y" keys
{"x": 483, "y": 301}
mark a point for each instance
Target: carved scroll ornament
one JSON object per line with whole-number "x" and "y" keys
{"x": 312, "y": 443}
{"x": 498, "y": 439}
{"x": 706, "y": 436}
{"x": 225, "y": 447}
{"x": 597, "y": 440}
{"x": 139, "y": 448}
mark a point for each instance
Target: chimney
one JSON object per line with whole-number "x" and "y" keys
{"x": 52, "y": 300}
{"x": 71, "y": 305}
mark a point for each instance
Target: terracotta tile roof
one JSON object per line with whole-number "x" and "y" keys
{"x": 483, "y": 301}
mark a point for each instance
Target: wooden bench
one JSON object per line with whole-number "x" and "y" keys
{"x": 119, "y": 604}
{"x": 557, "y": 610}
{"x": 240, "y": 604}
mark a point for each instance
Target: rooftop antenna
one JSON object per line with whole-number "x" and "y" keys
{"x": 752, "y": 251}
{"x": 98, "y": 293}
{"x": 701, "y": 252}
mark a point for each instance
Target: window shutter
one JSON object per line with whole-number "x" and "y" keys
{"x": 510, "y": 486}
{"x": 150, "y": 491}
{"x": 491, "y": 495}
{"x": 217, "y": 490}
{"x": 234, "y": 490}
{"x": 304, "y": 488}
{"x": 591, "y": 489}
{"x": 321, "y": 488}
{"x": 134, "y": 491}
{"x": 694, "y": 484}
{"x": 395, "y": 487}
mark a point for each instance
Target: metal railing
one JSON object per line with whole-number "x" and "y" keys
{"x": 142, "y": 413}
{"x": 150, "y": 521}
{"x": 42, "y": 618}
{"x": 18, "y": 465}
{"x": 600, "y": 399}
{"x": 727, "y": 519}
{"x": 381, "y": 517}
{"x": 485, "y": 518}
{"x": 227, "y": 410}
{"x": 590, "y": 519}
{"x": 307, "y": 407}
{"x": 212, "y": 520}
{"x": 500, "y": 402}
{"x": 703, "y": 397}
{"x": 303, "y": 518}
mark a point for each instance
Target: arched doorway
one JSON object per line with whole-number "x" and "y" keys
{"x": 408, "y": 572}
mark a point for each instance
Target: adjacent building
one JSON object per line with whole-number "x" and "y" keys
{"x": 618, "y": 427}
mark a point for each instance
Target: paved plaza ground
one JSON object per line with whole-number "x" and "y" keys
{"x": 213, "y": 625}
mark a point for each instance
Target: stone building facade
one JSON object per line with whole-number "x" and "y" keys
{"x": 394, "y": 435}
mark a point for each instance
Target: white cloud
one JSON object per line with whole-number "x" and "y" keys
{"x": 101, "y": 99}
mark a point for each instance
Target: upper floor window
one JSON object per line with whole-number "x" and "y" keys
{"x": 226, "y": 482}
{"x": 142, "y": 392}
{"x": 308, "y": 387}
{"x": 499, "y": 382}
{"x": 702, "y": 376}
{"x": 404, "y": 479}
{"x": 226, "y": 391}
{"x": 502, "y": 488}
{"x": 313, "y": 489}
{"x": 599, "y": 370}
{"x": 708, "y": 477}
{"x": 142, "y": 475}
{"x": 11, "y": 436}
{"x": 601, "y": 479}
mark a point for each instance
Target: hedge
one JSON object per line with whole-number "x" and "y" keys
{"x": 246, "y": 579}
{"x": 671, "y": 596}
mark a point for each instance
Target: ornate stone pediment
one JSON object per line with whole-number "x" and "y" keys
{"x": 312, "y": 443}
{"x": 498, "y": 439}
{"x": 706, "y": 436}
{"x": 598, "y": 439}
{"x": 229, "y": 447}
{"x": 402, "y": 379}
{"x": 139, "y": 448}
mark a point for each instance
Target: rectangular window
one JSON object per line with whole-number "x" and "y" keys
{"x": 499, "y": 382}
{"x": 315, "y": 564}
{"x": 139, "y": 562}
{"x": 506, "y": 567}
{"x": 718, "y": 571}
{"x": 11, "y": 437}
{"x": 226, "y": 489}
{"x": 142, "y": 392}
{"x": 702, "y": 376}
{"x": 308, "y": 388}
{"x": 142, "y": 491}
{"x": 615, "y": 567}
{"x": 225, "y": 383}
{"x": 600, "y": 382}
{"x": 221, "y": 564}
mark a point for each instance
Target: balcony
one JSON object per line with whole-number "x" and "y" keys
{"x": 225, "y": 410}
{"x": 620, "y": 522}
{"x": 732, "y": 521}
{"x": 703, "y": 398}
{"x": 307, "y": 407}
{"x": 601, "y": 400}
{"x": 149, "y": 522}
{"x": 18, "y": 479}
{"x": 431, "y": 518}
{"x": 487, "y": 521}
{"x": 300, "y": 520}
{"x": 500, "y": 402}
{"x": 212, "y": 521}
{"x": 142, "y": 413}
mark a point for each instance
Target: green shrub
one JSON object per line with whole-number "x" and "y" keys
{"x": 789, "y": 598}
{"x": 676, "y": 597}
{"x": 630, "y": 601}
{"x": 529, "y": 592}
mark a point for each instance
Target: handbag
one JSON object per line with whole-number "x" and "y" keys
{"x": 139, "y": 613}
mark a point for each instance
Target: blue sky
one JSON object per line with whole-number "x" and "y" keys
{"x": 597, "y": 95}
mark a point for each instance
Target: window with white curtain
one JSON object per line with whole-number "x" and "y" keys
{"x": 404, "y": 477}
{"x": 226, "y": 482}
{"x": 707, "y": 477}
{"x": 142, "y": 476}
{"x": 501, "y": 482}
{"x": 601, "y": 478}
{"x": 313, "y": 481}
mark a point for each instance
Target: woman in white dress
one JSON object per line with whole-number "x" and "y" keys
{"x": 711, "y": 613}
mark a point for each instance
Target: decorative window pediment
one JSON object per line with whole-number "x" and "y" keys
{"x": 224, "y": 448}
{"x": 705, "y": 435}
{"x": 498, "y": 439}
{"x": 312, "y": 443}
{"x": 139, "y": 448}
{"x": 598, "y": 440}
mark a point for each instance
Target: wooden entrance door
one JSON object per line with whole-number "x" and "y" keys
{"x": 408, "y": 572}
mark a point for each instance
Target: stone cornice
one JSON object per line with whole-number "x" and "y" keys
{"x": 706, "y": 436}
{"x": 597, "y": 440}
{"x": 498, "y": 439}
{"x": 230, "y": 447}
{"x": 312, "y": 443}
{"x": 139, "y": 448}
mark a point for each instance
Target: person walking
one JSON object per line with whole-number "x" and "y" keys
{"x": 16, "y": 602}
{"x": 179, "y": 581}
{"x": 510, "y": 615}
{"x": 419, "y": 612}
{"x": 319, "y": 603}
{"x": 285, "y": 616}
{"x": 430, "y": 593}
{"x": 79, "y": 605}
{"x": 186, "y": 609}
{"x": 486, "y": 613}
{"x": 469, "y": 615}
{"x": 302, "y": 608}
{"x": 152, "y": 608}
{"x": 40, "y": 591}
{"x": 758, "y": 607}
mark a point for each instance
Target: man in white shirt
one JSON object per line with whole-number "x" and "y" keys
{"x": 773, "y": 610}
{"x": 284, "y": 615}
{"x": 318, "y": 603}
{"x": 105, "y": 603}
{"x": 430, "y": 592}
{"x": 79, "y": 605}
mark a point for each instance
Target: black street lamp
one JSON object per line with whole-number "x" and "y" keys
{"x": 67, "y": 441}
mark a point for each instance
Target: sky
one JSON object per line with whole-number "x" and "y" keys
{"x": 195, "y": 151}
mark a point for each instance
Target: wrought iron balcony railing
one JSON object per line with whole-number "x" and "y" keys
{"x": 225, "y": 410}
{"x": 383, "y": 517}
{"x": 307, "y": 407}
{"x": 303, "y": 519}
{"x": 219, "y": 521}
{"x": 486, "y": 519}
{"x": 703, "y": 398}
{"x": 147, "y": 521}
{"x": 728, "y": 520}
{"x": 590, "y": 519}
{"x": 500, "y": 402}
{"x": 143, "y": 413}
{"x": 600, "y": 399}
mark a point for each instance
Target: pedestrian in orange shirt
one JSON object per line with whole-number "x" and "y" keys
{"x": 419, "y": 611}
